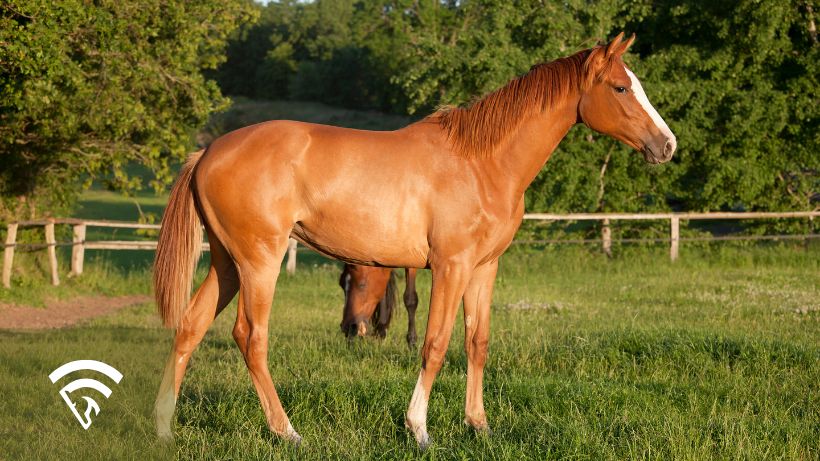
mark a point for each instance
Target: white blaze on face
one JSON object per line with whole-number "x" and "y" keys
{"x": 637, "y": 90}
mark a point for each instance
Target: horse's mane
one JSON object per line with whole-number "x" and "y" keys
{"x": 476, "y": 130}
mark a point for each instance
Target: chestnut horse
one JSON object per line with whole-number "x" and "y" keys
{"x": 370, "y": 293}
{"x": 445, "y": 193}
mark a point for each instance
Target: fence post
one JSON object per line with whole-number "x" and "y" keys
{"x": 675, "y": 238}
{"x": 606, "y": 237}
{"x": 78, "y": 249}
{"x": 52, "y": 252}
{"x": 291, "y": 264}
{"x": 8, "y": 253}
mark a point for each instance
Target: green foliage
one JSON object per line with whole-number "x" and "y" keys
{"x": 259, "y": 60}
{"x": 747, "y": 109}
{"x": 736, "y": 81}
{"x": 244, "y": 112}
{"x": 87, "y": 88}
{"x": 315, "y": 51}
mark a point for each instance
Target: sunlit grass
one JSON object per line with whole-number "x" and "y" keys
{"x": 714, "y": 356}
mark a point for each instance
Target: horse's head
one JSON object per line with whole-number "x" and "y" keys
{"x": 614, "y": 103}
{"x": 364, "y": 289}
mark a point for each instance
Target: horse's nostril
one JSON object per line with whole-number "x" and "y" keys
{"x": 669, "y": 148}
{"x": 350, "y": 330}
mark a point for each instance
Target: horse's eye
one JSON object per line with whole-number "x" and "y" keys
{"x": 620, "y": 89}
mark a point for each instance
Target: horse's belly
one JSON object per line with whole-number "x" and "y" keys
{"x": 364, "y": 243}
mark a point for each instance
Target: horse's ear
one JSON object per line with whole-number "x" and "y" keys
{"x": 600, "y": 58}
{"x": 625, "y": 46}
{"x": 614, "y": 45}
{"x": 594, "y": 66}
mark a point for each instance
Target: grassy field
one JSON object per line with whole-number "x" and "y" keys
{"x": 713, "y": 357}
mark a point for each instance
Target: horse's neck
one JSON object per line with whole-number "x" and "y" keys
{"x": 521, "y": 157}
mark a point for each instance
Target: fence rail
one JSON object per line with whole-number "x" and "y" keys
{"x": 79, "y": 243}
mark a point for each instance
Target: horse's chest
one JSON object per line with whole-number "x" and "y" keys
{"x": 499, "y": 233}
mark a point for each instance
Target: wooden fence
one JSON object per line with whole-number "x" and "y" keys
{"x": 674, "y": 225}
{"x": 79, "y": 243}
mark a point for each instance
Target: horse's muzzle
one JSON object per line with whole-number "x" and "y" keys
{"x": 355, "y": 328}
{"x": 660, "y": 151}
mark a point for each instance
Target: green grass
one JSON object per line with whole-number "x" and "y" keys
{"x": 109, "y": 205}
{"x": 713, "y": 357}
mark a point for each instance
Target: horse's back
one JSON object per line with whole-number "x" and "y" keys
{"x": 287, "y": 141}
{"x": 359, "y": 195}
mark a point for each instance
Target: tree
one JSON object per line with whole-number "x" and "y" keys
{"x": 736, "y": 81}
{"x": 741, "y": 78}
{"x": 87, "y": 88}
{"x": 260, "y": 55}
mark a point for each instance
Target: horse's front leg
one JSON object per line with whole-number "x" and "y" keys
{"x": 449, "y": 281}
{"x": 411, "y": 302}
{"x": 477, "y": 300}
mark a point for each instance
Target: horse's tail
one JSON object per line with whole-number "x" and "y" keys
{"x": 384, "y": 311}
{"x": 179, "y": 247}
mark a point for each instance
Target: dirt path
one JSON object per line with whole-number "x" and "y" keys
{"x": 63, "y": 313}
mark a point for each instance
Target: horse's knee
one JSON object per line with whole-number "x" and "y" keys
{"x": 477, "y": 350}
{"x": 257, "y": 345}
{"x": 186, "y": 340}
{"x": 433, "y": 354}
{"x": 240, "y": 333}
{"x": 411, "y": 301}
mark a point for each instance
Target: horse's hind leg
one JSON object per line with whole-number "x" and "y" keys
{"x": 218, "y": 289}
{"x": 258, "y": 283}
{"x": 411, "y": 301}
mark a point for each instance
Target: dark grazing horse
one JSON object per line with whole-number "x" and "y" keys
{"x": 370, "y": 297}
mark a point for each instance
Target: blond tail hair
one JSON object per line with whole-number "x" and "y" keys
{"x": 179, "y": 247}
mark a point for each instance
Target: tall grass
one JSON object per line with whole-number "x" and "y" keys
{"x": 712, "y": 357}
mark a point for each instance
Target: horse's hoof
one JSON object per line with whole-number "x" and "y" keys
{"x": 485, "y": 431}
{"x": 424, "y": 441}
{"x": 294, "y": 438}
{"x": 421, "y": 435}
{"x": 481, "y": 429}
{"x": 165, "y": 436}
